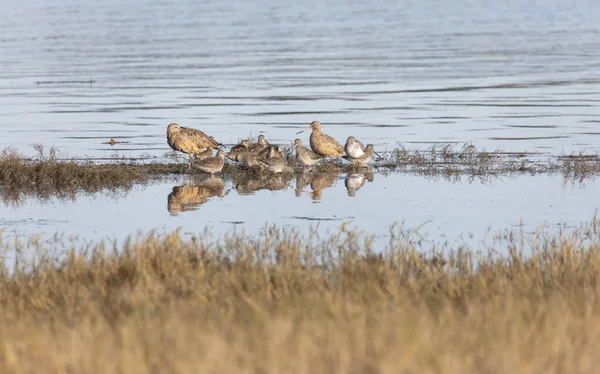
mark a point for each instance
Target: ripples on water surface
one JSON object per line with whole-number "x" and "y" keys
{"x": 519, "y": 76}
{"x": 515, "y": 75}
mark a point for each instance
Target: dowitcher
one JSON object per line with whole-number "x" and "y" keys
{"x": 249, "y": 159}
{"x": 354, "y": 148}
{"x": 257, "y": 147}
{"x": 211, "y": 165}
{"x": 238, "y": 150}
{"x": 275, "y": 163}
{"x": 190, "y": 141}
{"x": 273, "y": 150}
{"x": 366, "y": 157}
{"x": 202, "y": 155}
{"x": 323, "y": 144}
{"x": 305, "y": 156}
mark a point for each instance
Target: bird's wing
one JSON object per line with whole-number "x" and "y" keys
{"x": 198, "y": 136}
{"x": 312, "y": 154}
{"x": 332, "y": 143}
{"x": 361, "y": 145}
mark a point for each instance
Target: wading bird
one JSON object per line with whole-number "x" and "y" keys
{"x": 211, "y": 165}
{"x": 257, "y": 147}
{"x": 366, "y": 157}
{"x": 274, "y": 163}
{"x": 323, "y": 144}
{"x": 238, "y": 150}
{"x": 357, "y": 152}
{"x": 305, "y": 156}
{"x": 190, "y": 141}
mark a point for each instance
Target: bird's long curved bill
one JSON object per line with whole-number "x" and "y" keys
{"x": 300, "y": 132}
{"x": 377, "y": 154}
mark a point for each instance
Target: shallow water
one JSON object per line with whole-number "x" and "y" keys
{"x": 514, "y": 75}
{"x": 444, "y": 211}
{"x": 518, "y": 76}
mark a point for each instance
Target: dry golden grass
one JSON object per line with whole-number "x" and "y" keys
{"x": 282, "y": 302}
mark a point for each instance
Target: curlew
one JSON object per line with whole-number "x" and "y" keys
{"x": 211, "y": 165}
{"x": 190, "y": 141}
{"x": 305, "y": 156}
{"x": 323, "y": 144}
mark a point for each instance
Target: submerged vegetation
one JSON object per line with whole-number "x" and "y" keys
{"x": 282, "y": 302}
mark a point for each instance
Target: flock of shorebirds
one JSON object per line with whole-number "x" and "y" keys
{"x": 261, "y": 154}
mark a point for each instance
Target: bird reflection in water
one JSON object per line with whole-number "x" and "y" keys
{"x": 200, "y": 188}
{"x": 357, "y": 178}
{"x": 317, "y": 180}
{"x": 247, "y": 182}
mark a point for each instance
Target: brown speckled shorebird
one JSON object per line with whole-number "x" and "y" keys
{"x": 211, "y": 165}
{"x": 305, "y": 156}
{"x": 238, "y": 150}
{"x": 273, "y": 150}
{"x": 274, "y": 163}
{"x": 323, "y": 144}
{"x": 257, "y": 147}
{"x": 190, "y": 141}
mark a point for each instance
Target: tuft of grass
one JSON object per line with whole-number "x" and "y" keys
{"x": 282, "y": 301}
{"x": 46, "y": 175}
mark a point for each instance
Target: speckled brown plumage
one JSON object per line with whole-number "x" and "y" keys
{"x": 257, "y": 147}
{"x": 272, "y": 150}
{"x": 237, "y": 151}
{"x": 188, "y": 140}
{"x": 323, "y": 144}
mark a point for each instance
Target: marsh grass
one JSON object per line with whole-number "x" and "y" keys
{"x": 53, "y": 175}
{"x": 48, "y": 175}
{"x": 282, "y": 301}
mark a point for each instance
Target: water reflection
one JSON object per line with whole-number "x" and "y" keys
{"x": 247, "y": 181}
{"x": 198, "y": 191}
{"x": 201, "y": 187}
{"x": 317, "y": 180}
{"x": 356, "y": 180}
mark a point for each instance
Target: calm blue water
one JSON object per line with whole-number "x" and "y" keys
{"x": 442, "y": 211}
{"x": 518, "y": 75}
{"x": 511, "y": 75}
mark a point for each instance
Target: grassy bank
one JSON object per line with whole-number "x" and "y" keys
{"x": 282, "y": 302}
